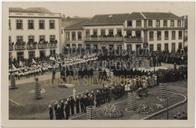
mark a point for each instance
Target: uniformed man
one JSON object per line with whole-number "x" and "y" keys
{"x": 67, "y": 110}
{"x": 50, "y": 112}
{"x": 62, "y": 109}
{"x": 77, "y": 103}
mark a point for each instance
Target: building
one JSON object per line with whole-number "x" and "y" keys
{"x": 157, "y": 31}
{"x": 33, "y": 32}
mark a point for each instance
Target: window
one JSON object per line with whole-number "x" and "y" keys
{"x": 41, "y": 24}
{"x": 10, "y": 40}
{"x": 111, "y": 33}
{"x": 149, "y": 23}
{"x": 111, "y": 47}
{"x": 179, "y": 34}
{"x": 179, "y": 23}
{"x": 67, "y": 36}
{"x": 129, "y": 47}
{"x": 79, "y": 36}
{"x": 119, "y": 47}
{"x": 31, "y": 38}
{"x": 138, "y": 23}
{"x": 129, "y": 33}
{"x": 19, "y": 38}
{"x": 68, "y": 45}
{"x": 180, "y": 45}
{"x": 95, "y": 32}
{"x": 102, "y": 32}
{"x": 52, "y": 24}
{"x": 41, "y": 38}
{"x": 173, "y": 47}
{"x": 159, "y": 35}
{"x": 87, "y": 33}
{"x": 9, "y": 24}
{"x": 73, "y": 35}
{"x": 31, "y": 54}
{"x": 52, "y": 38}
{"x": 173, "y": 35}
{"x": 119, "y": 32}
{"x": 165, "y": 23}
{"x": 172, "y": 23}
{"x": 19, "y": 24}
{"x": 158, "y": 47}
{"x": 138, "y": 34}
{"x": 151, "y": 36}
{"x": 73, "y": 45}
{"x": 151, "y": 47}
{"x": 79, "y": 45}
{"x": 129, "y": 23}
{"x": 30, "y": 24}
{"x": 157, "y": 23}
{"x": 166, "y": 35}
{"x": 166, "y": 47}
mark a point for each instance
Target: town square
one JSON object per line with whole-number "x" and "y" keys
{"x": 131, "y": 65}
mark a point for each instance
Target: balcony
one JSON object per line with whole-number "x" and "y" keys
{"x": 11, "y": 46}
{"x": 43, "y": 44}
{"x": 52, "y": 45}
{"x": 103, "y": 39}
{"x": 31, "y": 45}
{"x": 133, "y": 40}
{"x": 20, "y": 46}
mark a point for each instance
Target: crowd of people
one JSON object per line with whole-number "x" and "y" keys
{"x": 78, "y": 104}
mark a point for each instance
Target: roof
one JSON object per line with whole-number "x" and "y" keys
{"x": 135, "y": 16}
{"x": 77, "y": 26}
{"x": 107, "y": 19}
{"x": 66, "y": 22}
{"x": 160, "y": 15}
{"x": 30, "y": 10}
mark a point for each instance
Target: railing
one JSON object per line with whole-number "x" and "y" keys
{"x": 42, "y": 45}
{"x": 19, "y": 47}
{"x": 133, "y": 40}
{"x": 52, "y": 45}
{"x": 31, "y": 46}
{"x": 11, "y": 47}
{"x": 104, "y": 39}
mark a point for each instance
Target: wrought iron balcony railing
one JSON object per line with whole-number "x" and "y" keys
{"x": 115, "y": 39}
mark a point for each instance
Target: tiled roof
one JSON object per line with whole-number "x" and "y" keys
{"x": 30, "y": 10}
{"x": 77, "y": 26}
{"x": 66, "y": 22}
{"x": 107, "y": 19}
{"x": 160, "y": 15}
{"x": 135, "y": 16}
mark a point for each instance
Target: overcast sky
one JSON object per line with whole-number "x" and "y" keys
{"x": 89, "y": 9}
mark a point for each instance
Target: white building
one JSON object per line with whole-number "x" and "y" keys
{"x": 33, "y": 32}
{"x": 155, "y": 31}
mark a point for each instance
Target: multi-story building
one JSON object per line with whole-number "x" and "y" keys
{"x": 33, "y": 32}
{"x": 155, "y": 31}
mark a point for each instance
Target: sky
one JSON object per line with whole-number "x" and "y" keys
{"x": 89, "y": 9}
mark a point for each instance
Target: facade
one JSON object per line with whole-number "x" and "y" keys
{"x": 33, "y": 32}
{"x": 155, "y": 31}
